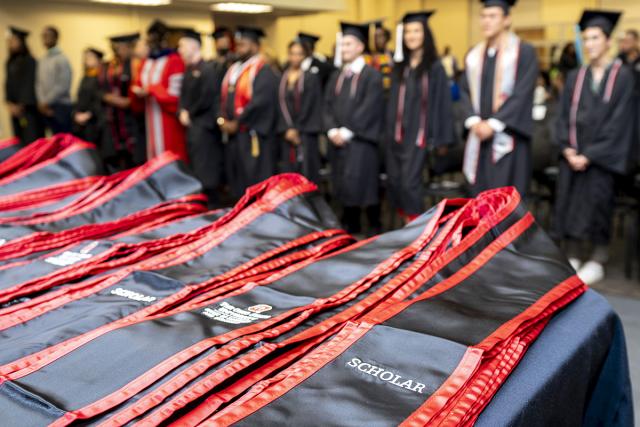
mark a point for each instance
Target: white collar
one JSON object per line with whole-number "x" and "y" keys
{"x": 306, "y": 63}
{"x": 357, "y": 65}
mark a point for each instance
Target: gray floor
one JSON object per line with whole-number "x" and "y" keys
{"x": 629, "y": 311}
{"x": 624, "y": 295}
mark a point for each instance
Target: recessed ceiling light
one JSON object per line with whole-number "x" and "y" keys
{"x": 241, "y": 7}
{"x": 136, "y": 2}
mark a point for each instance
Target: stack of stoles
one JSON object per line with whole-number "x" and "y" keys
{"x": 266, "y": 313}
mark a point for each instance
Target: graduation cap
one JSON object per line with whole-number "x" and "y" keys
{"x": 378, "y": 23}
{"x": 124, "y": 38}
{"x": 96, "y": 52}
{"x": 422, "y": 17}
{"x": 190, "y": 33}
{"x": 221, "y": 32}
{"x": 21, "y": 34}
{"x": 309, "y": 39}
{"x": 252, "y": 33}
{"x": 360, "y": 31}
{"x": 603, "y": 19}
{"x": 504, "y": 4}
{"x": 158, "y": 27}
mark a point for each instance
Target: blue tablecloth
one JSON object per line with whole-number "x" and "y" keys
{"x": 575, "y": 373}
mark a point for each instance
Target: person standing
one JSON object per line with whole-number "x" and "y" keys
{"x": 315, "y": 62}
{"x": 121, "y": 139}
{"x": 300, "y": 118}
{"x": 449, "y": 63}
{"x": 419, "y": 115}
{"x": 20, "y": 94}
{"x": 53, "y": 84}
{"x": 497, "y": 97}
{"x": 158, "y": 88}
{"x": 630, "y": 55}
{"x": 225, "y": 50}
{"x": 88, "y": 117}
{"x": 198, "y": 109}
{"x": 382, "y": 57}
{"x": 248, "y": 113}
{"x": 595, "y": 138}
{"x": 354, "y": 114}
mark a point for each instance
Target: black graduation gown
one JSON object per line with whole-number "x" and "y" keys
{"x": 514, "y": 168}
{"x": 200, "y": 96}
{"x": 122, "y": 136}
{"x": 635, "y": 150}
{"x": 585, "y": 200}
{"x": 405, "y": 161}
{"x": 90, "y": 100}
{"x": 322, "y": 69}
{"x": 260, "y": 119}
{"x": 306, "y": 115}
{"x": 20, "y": 89}
{"x": 355, "y": 166}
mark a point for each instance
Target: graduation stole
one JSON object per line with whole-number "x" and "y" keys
{"x": 424, "y": 110}
{"x": 297, "y": 94}
{"x": 577, "y": 95}
{"x": 347, "y": 72}
{"x": 383, "y": 62}
{"x": 239, "y": 80}
{"x": 282, "y": 93}
{"x": 503, "y": 85}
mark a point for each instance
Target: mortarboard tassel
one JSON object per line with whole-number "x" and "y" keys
{"x": 398, "y": 55}
{"x": 337, "y": 59}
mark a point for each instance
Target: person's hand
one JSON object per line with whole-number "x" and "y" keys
{"x": 580, "y": 162}
{"x": 569, "y": 153}
{"x": 16, "y": 110}
{"x": 108, "y": 98}
{"x": 337, "y": 140}
{"x": 184, "y": 118}
{"x": 139, "y": 91}
{"x": 482, "y": 130}
{"x": 442, "y": 150}
{"x": 82, "y": 117}
{"x": 293, "y": 136}
{"x": 230, "y": 127}
{"x": 45, "y": 110}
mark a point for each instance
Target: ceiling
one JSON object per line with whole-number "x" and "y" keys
{"x": 280, "y": 7}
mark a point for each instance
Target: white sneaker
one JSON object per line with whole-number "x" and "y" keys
{"x": 575, "y": 263}
{"x": 591, "y": 272}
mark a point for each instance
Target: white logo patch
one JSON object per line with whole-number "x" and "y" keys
{"x": 3, "y": 241}
{"x": 228, "y": 313}
{"x": 132, "y": 295}
{"x": 67, "y": 258}
{"x": 386, "y": 375}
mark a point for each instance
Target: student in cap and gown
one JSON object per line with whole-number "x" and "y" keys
{"x": 315, "y": 62}
{"x": 225, "y": 48}
{"x": 88, "y": 115}
{"x": 198, "y": 111}
{"x": 354, "y": 115}
{"x": 121, "y": 145}
{"x": 20, "y": 92}
{"x": 249, "y": 113}
{"x": 300, "y": 118}
{"x": 595, "y": 138}
{"x": 497, "y": 97}
{"x": 419, "y": 116}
